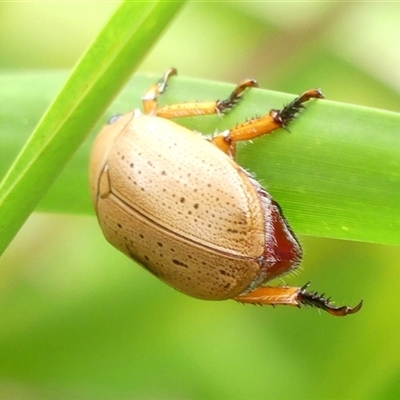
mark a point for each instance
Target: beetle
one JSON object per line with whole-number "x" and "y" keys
{"x": 178, "y": 204}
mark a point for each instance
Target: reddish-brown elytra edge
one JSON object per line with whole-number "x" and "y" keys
{"x": 178, "y": 203}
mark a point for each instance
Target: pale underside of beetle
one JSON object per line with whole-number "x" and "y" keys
{"x": 181, "y": 206}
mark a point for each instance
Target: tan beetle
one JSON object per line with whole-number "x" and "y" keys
{"x": 180, "y": 205}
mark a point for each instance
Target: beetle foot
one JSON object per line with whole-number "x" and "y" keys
{"x": 317, "y": 300}
{"x": 162, "y": 83}
{"x": 289, "y": 112}
{"x": 226, "y": 105}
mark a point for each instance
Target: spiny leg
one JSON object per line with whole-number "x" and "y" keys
{"x": 294, "y": 296}
{"x": 226, "y": 141}
{"x": 149, "y": 98}
{"x": 193, "y": 109}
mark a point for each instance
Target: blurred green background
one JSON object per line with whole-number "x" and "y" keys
{"x": 79, "y": 320}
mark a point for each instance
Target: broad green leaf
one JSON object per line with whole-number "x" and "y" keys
{"x": 337, "y": 174}
{"x": 115, "y": 53}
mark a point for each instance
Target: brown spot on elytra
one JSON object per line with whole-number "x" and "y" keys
{"x": 180, "y": 263}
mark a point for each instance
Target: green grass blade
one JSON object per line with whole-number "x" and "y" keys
{"x": 116, "y": 52}
{"x": 337, "y": 174}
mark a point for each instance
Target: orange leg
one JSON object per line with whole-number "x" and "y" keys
{"x": 226, "y": 141}
{"x": 206, "y": 108}
{"x": 294, "y": 296}
{"x": 190, "y": 109}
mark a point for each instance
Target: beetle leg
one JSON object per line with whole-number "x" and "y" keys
{"x": 206, "y": 108}
{"x": 149, "y": 99}
{"x": 294, "y": 296}
{"x": 226, "y": 141}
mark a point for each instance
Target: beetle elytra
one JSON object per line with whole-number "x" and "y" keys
{"x": 178, "y": 203}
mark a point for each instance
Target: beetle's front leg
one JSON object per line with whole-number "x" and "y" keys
{"x": 226, "y": 141}
{"x": 294, "y": 296}
{"x": 150, "y": 97}
{"x": 198, "y": 108}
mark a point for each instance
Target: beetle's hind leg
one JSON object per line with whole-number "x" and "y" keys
{"x": 294, "y": 296}
{"x": 226, "y": 141}
{"x": 149, "y": 99}
{"x": 192, "y": 109}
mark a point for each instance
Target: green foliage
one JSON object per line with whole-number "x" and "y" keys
{"x": 334, "y": 175}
